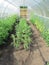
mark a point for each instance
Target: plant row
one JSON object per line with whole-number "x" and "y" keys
{"x": 41, "y": 27}
{"x": 5, "y": 26}
{"x": 23, "y": 35}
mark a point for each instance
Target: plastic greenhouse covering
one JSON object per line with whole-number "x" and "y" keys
{"x": 41, "y": 7}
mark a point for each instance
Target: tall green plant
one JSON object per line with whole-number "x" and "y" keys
{"x": 5, "y": 26}
{"x": 23, "y": 33}
{"x": 40, "y": 25}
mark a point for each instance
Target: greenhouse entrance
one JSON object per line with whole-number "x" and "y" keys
{"x": 24, "y": 32}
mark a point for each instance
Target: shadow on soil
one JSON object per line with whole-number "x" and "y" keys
{"x": 7, "y": 57}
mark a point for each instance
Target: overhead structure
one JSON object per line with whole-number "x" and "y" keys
{"x": 40, "y": 7}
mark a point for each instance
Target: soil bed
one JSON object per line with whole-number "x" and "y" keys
{"x": 22, "y": 57}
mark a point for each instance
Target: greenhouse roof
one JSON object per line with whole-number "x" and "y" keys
{"x": 41, "y": 7}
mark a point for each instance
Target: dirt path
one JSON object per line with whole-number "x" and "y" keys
{"x": 42, "y": 53}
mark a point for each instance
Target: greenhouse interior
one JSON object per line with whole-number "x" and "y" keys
{"x": 24, "y": 32}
